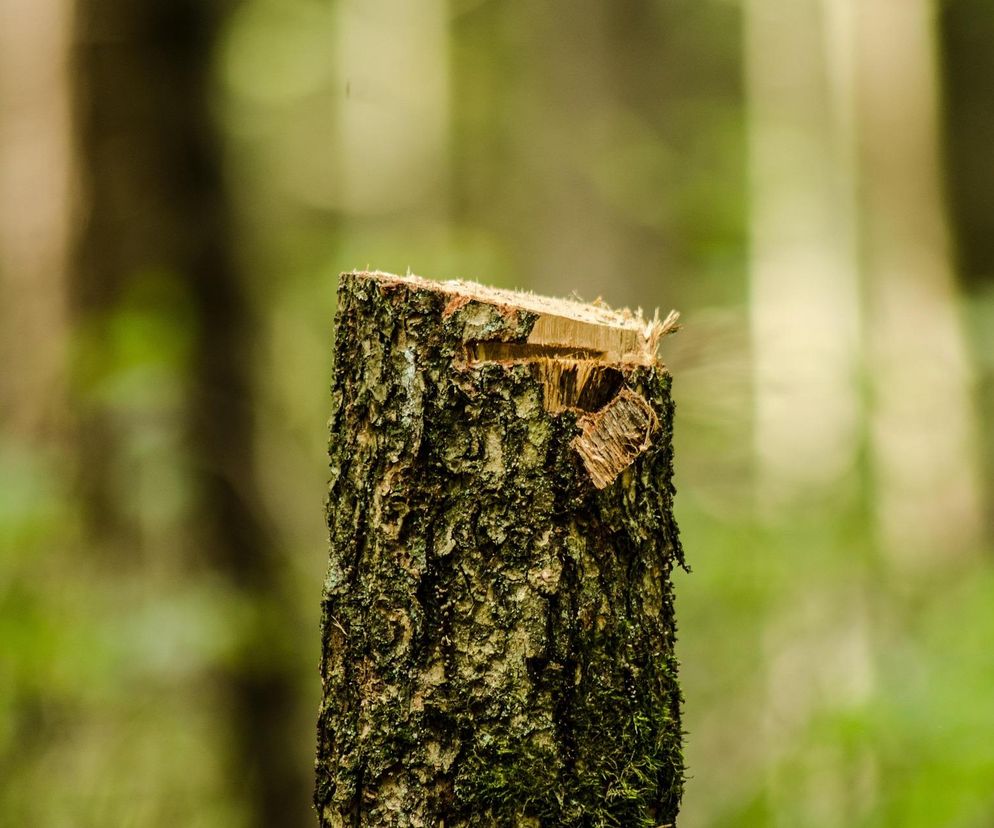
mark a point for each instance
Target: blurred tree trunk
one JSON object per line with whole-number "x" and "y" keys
{"x": 34, "y": 217}
{"x": 967, "y": 29}
{"x": 805, "y": 314}
{"x": 570, "y": 134}
{"x": 408, "y": 95}
{"x": 568, "y": 114}
{"x": 923, "y": 426}
{"x": 967, "y": 59}
{"x": 804, "y": 298}
{"x": 154, "y": 210}
{"x": 833, "y": 111}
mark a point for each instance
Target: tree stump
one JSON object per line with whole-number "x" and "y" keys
{"x": 498, "y": 628}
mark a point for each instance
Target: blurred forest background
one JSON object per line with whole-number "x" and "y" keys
{"x": 809, "y": 181}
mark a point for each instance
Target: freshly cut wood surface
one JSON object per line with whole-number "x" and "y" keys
{"x": 608, "y": 335}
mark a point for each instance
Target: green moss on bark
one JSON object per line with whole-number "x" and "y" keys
{"x": 498, "y": 634}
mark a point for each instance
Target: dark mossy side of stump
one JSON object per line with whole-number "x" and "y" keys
{"x": 498, "y": 633}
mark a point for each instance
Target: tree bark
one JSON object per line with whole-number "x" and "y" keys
{"x": 498, "y": 628}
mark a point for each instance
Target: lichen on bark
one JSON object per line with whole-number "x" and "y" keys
{"x": 498, "y": 632}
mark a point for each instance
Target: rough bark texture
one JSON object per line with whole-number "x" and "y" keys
{"x": 498, "y": 631}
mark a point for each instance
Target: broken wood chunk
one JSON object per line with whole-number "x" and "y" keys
{"x": 614, "y": 436}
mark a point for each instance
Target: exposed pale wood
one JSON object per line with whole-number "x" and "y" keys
{"x": 614, "y": 436}
{"x": 576, "y": 349}
{"x": 609, "y": 335}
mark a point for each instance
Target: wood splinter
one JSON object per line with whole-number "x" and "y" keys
{"x": 614, "y": 436}
{"x": 498, "y": 628}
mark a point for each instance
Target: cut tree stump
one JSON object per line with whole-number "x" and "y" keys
{"x": 498, "y": 628}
